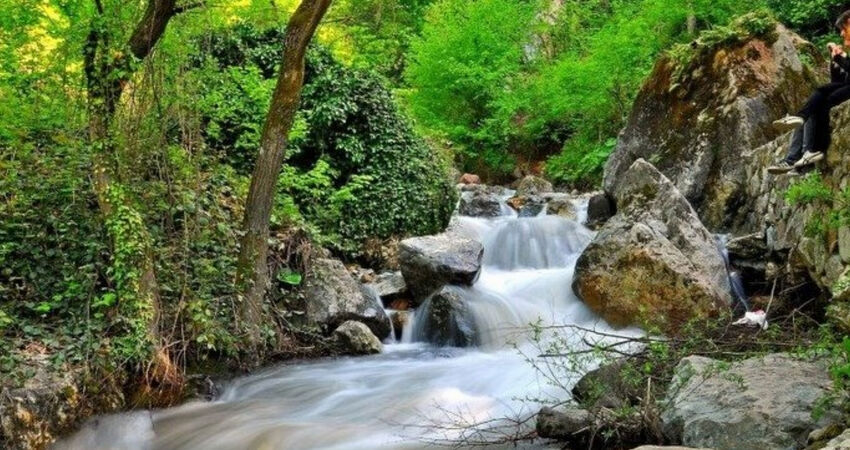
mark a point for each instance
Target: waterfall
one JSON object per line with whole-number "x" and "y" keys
{"x": 384, "y": 401}
{"x": 736, "y": 283}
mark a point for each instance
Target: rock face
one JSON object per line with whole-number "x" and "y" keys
{"x": 50, "y": 403}
{"x": 694, "y": 127}
{"x": 431, "y": 262}
{"x": 822, "y": 257}
{"x": 653, "y": 262}
{"x": 333, "y": 296}
{"x": 355, "y": 338}
{"x": 756, "y": 404}
{"x": 446, "y": 320}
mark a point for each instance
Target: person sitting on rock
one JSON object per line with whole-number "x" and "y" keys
{"x": 811, "y": 136}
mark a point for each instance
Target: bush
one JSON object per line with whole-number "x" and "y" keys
{"x": 355, "y": 168}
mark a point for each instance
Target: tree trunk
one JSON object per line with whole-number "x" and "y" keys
{"x": 132, "y": 250}
{"x": 252, "y": 276}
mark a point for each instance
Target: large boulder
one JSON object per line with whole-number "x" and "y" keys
{"x": 653, "y": 263}
{"x": 332, "y": 296}
{"x": 355, "y": 338}
{"x": 760, "y": 403}
{"x": 695, "y": 119}
{"x": 431, "y": 262}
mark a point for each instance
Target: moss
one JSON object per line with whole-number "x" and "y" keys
{"x": 759, "y": 24}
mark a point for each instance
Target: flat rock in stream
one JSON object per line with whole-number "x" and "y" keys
{"x": 431, "y": 262}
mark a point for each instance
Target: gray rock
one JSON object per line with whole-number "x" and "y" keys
{"x": 444, "y": 319}
{"x": 653, "y": 262}
{"x": 389, "y": 285}
{"x": 841, "y": 442}
{"x": 332, "y": 296}
{"x": 600, "y": 208}
{"x": 698, "y": 129}
{"x": 532, "y": 185}
{"x": 431, "y": 262}
{"x": 759, "y": 403}
{"x": 607, "y": 387}
{"x": 480, "y": 203}
{"x": 558, "y": 204}
{"x": 571, "y": 425}
{"x": 355, "y": 338}
{"x": 527, "y": 205}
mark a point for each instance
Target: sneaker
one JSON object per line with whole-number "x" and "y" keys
{"x": 809, "y": 158}
{"x": 788, "y": 123}
{"x": 782, "y": 167}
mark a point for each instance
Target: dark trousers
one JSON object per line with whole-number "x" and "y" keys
{"x": 814, "y": 135}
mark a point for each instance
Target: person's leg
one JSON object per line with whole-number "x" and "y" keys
{"x": 818, "y": 101}
{"x": 795, "y": 149}
{"x": 813, "y": 133}
{"x": 820, "y": 137}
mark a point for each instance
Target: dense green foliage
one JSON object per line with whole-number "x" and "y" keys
{"x": 506, "y": 83}
{"x": 355, "y": 168}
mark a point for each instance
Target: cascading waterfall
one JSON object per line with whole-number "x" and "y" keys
{"x": 397, "y": 399}
{"x": 736, "y": 283}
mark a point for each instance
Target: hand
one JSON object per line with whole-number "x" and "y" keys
{"x": 834, "y": 49}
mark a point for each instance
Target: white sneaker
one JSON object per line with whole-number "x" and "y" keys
{"x": 780, "y": 168}
{"x": 788, "y": 123}
{"x": 809, "y": 158}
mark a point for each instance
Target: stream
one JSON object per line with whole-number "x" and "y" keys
{"x": 413, "y": 394}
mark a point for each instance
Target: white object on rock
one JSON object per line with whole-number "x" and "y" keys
{"x": 753, "y": 318}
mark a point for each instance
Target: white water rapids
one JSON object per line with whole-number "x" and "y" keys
{"x": 413, "y": 393}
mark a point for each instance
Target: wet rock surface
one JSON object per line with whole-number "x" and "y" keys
{"x": 431, "y": 262}
{"x": 446, "y": 320}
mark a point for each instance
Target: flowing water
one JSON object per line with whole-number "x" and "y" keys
{"x": 413, "y": 393}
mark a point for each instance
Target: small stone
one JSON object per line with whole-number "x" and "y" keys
{"x": 469, "y": 178}
{"x": 355, "y": 338}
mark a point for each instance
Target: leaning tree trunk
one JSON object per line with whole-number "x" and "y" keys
{"x": 253, "y": 274}
{"x": 132, "y": 250}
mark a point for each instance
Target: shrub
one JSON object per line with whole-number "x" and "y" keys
{"x": 355, "y": 168}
